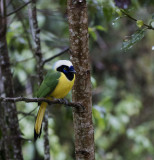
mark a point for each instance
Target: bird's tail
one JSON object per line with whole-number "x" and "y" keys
{"x": 39, "y": 119}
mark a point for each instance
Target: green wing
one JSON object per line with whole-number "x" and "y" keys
{"x": 49, "y": 84}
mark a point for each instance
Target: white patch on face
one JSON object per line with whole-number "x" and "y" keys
{"x": 62, "y": 62}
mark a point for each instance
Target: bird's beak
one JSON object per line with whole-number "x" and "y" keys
{"x": 72, "y": 71}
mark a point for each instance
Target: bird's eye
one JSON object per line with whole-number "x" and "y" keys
{"x": 65, "y": 68}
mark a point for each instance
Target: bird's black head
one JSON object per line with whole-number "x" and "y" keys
{"x": 67, "y": 70}
{"x": 66, "y": 67}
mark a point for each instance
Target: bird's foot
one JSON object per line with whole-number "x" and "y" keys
{"x": 64, "y": 101}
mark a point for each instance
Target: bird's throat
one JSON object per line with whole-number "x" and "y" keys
{"x": 69, "y": 75}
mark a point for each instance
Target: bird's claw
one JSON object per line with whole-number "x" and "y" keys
{"x": 64, "y": 101}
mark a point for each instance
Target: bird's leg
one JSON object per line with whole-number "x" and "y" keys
{"x": 63, "y": 100}
{"x": 66, "y": 101}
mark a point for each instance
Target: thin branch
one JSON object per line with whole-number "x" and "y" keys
{"x": 27, "y": 114}
{"x": 38, "y": 55}
{"x": 148, "y": 26}
{"x": 57, "y": 55}
{"x": 35, "y": 30}
{"x": 18, "y": 9}
{"x": 30, "y": 100}
{"x": 24, "y": 60}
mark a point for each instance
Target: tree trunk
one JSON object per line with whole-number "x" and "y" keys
{"x": 9, "y": 126}
{"x": 83, "y": 126}
{"x": 38, "y": 54}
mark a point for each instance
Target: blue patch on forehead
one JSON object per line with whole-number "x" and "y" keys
{"x": 71, "y": 68}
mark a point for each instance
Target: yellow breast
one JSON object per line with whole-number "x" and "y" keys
{"x": 63, "y": 87}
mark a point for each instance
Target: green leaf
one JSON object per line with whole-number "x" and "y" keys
{"x": 101, "y": 28}
{"x": 93, "y": 81}
{"x": 99, "y": 116}
{"x": 137, "y": 36}
{"x": 92, "y": 33}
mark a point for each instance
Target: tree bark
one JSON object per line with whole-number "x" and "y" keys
{"x": 39, "y": 60}
{"x": 9, "y": 126}
{"x": 83, "y": 126}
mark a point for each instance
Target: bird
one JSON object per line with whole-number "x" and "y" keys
{"x": 57, "y": 85}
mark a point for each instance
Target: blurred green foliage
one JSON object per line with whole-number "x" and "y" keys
{"x": 137, "y": 36}
{"x": 123, "y": 82}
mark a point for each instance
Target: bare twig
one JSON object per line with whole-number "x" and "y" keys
{"x": 30, "y": 100}
{"x": 24, "y": 60}
{"x": 18, "y": 9}
{"x": 36, "y": 38}
{"x": 46, "y": 60}
{"x": 148, "y": 26}
{"x": 27, "y": 114}
{"x": 57, "y": 55}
